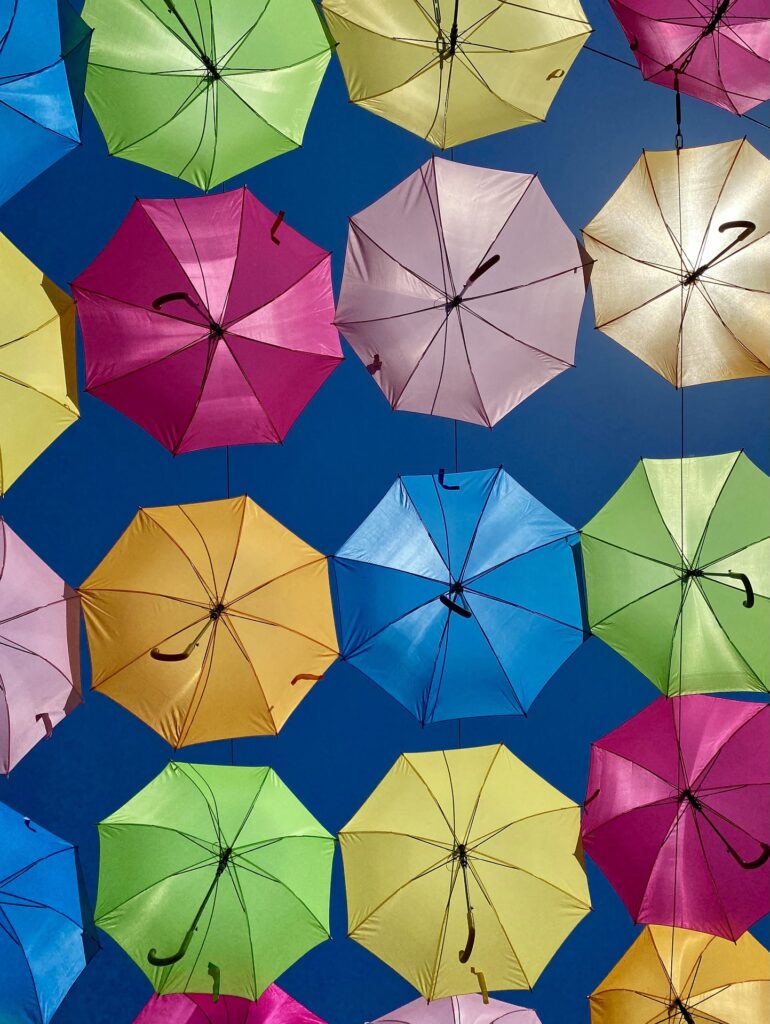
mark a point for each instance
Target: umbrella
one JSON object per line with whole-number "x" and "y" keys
{"x": 209, "y": 621}
{"x": 452, "y": 71}
{"x": 43, "y": 54}
{"x": 677, "y": 813}
{"x": 214, "y": 878}
{"x": 462, "y": 309}
{"x": 204, "y": 91}
{"x": 682, "y": 272}
{"x": 46, "y": 931}
{"x": 208, "y": 321}
{"x": 718, "y": 50}
{"x": 464, "y": 850}
{"x": 38, "y": 384}
{"x": 274, "y": 1006}
{"x": 470, "y": 1009}
{"x": 672, "y": 976}
{"x": 39, "y": 649}
{"x": 455, "y": 577}
{"x": 677, "y": 568}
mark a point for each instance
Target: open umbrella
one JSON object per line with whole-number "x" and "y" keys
{"x": 673, "y": 976}
{"x": 43, "y": 54}
{"x": 677, "y": 568}
{"x": 208, "y": 321}
{"x": 214, "y": 879}
{"x": 462, "y": 291}
{"x": 274, "y": 1006}
{"x": 682, "y": 271}
{"x": 717, "y": 50}
{"x": 464, "y": 871}
{"x": 209, "y": 621}
{"x": 39, "y": 649}
{"x": 677, "y": 813}
{"x": 455, "y": 577}
{"x": 38, "y": 382}
{"x": 469, "y": 1009}
{"x": 452, "y": 71}
{"x": 46, "y": 931}
{"x": 204, "y": 90}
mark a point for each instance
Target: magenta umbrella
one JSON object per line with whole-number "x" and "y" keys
{"x": 717, "y": 50}
{"x": 274, "y": 1006}
{"x": 472, "y": 1009}
{"x": 462, "y": 291}
{"x": 39, "y": 649}
{"x": 677, "y": 813}
{"x": 208, "y": 321}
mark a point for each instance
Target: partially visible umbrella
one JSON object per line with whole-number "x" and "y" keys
{"x": 39, "y": 649}
{"x": 469, "y": 1009}
{"x": 274, "y": 1006}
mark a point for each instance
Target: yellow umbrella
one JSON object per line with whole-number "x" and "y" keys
{"x": 38, "y": 385}
{"x": 682, "y": 271}
{"x": 674, "y": 976}
{"x": 456, "y": 70}
{"x": 464, "y": 871}
{"x": 209, "y": 621}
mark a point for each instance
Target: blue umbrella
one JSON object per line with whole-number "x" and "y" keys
{"x": 46, "y": 931}
{"x": 43, "y": 60}
{"x": 460, "y": 595}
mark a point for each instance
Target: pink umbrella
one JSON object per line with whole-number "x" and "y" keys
{"x": 717, "y": 50}
{"x": 208, "y": 321}
{"x": 677, "y": 813}
{"x": 460, "y": 1010}
{"x": 39, "y": 649}
{"x": 274, "y": 1006}
{"x": 462, "y": 291}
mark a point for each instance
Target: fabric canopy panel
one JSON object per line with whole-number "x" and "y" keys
{"x": 469, "y": 1009}
{"x": 462, "y": 291}
{"x": 274, "y": 1006}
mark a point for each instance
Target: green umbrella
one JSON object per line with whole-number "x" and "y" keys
{"x": 677, "y": 568}
{"x": 214, "y": 877}
{"x": 204, "y": 90}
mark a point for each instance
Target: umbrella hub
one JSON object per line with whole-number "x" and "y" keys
{"x": 216, "y": 611}
{"x": 453, "y": 303}
{"x": 681, "y": 1007}
{"x": 216, "y": 330}
{"x": 456, "y": 588}
{"x": 212, "y": 71}
{"x": 224, "y": 860}
{"x": 460, "y": 853}
{"x": 691, "y": 798}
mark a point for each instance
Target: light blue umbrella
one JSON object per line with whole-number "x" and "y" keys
{"x": 460, "y": 595}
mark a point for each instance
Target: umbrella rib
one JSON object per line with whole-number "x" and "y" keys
{"x": 254, "y": 869}
{"x": 144, "y": 309}
{"x": 39, "y": 608}
{"x": 429, "y": 705}
{"x": 228, "y": 54}
{"x": 225, "y": 84}
{"x": 679, "y": 548}
{"x": 480, "y": 793}
{"x": 228, "y": 325}
{"x": 429, "y": 535}
{"x": 717, "y": 201}
{"x": 412, "y": 273}
{"x": 504, "y": 225}
{"x": 474, "y": 535}
{"x": 522, "y": 709}
{"x": 453, "y": 875}
{"x": 9, "y": 879}
{"x": 724, "y": 583}
{"x": 711, "y": 302}
{"x": 252, "y": 389}
{"x": 524, "y": 344}
{"x": 527, "y": 817}
{"x": 631, "y": 551}
{"x": 210, "y": 96}
{"x": 727, "y": 637}
{"x": 444, "y": 862}
{"x": 492, "y": 907}
{"x": 241, "y": 646}
{"x": 676, "y": 242}
{"x": 737, "y": 551}
{"x": 664, "y": 268}
{"x": 497, "y": 862}
{"x": 698, "y": 781}
{"x": 717, "y": 499}
{"x": 195, "y": 840}
{"x": 281, "y": 576}
{"x": 239, "y": 237}
{"x": 448, "y": 560}
{"x": 188, "y": 101}
{"x": 524, "y": 608}
{"x": 144, "y": 593}
{"x": 205, "y": 296}
{"x": 429, "y": 791}
{"x": 21, "y": 649}
{"x": 249, "y": 809}
{"x": 395, "y": 401}
{"x": 171, "y": 31}
{"x": 212, "y": 807}
{"x": 258, "y": 620}
{"x": 715, "y": 887}
{"x": 438, "y": 223}
{"x": 164, "y": 531}
{"x": 73, "y": 142}
{"x": 642, "y": 597}
{"x": 393, "y": 316}
{"x": 207, "y": 863}
{"x": 662, "y": 801}
{"x": 236, "y": 883}
{"x": 528, "y": 284}
{"x": 236, "y": 546}
{"x": 522, "y": 554}
{"x": 167, "y": 970}
{"x": 56, "y": 318}
{"x": 68, "y": 408}
{"x": 187, "y": 516}
{"x": 199, "y": 689}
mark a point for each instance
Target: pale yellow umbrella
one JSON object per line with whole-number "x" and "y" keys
{"x": 456, "y": 70}
{"x": 38, "y": 384}
{"x": 682, "y": 271}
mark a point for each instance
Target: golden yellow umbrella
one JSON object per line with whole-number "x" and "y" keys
{"x": 209, "y": 621}
{"x": 38, "y": 385}
{"x": 682, "y": 271}
{"x": 456, "y": 70}
{"x": 674, "y": 976}
{"x": 464, "y": 871}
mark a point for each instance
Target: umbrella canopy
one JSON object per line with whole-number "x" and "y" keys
{"x": 274, "y": 1006}
{"x": 38, "y": 380}
{"x": 43, "y": 55}
{"x": 469, "y": 1009}
{"x": 208, "y": 321}
{"x": 46, "y": 931}
{"x": 677, "y": 568}
{"x": 684, "y": 977}
{"x": 462, "y": 309}
{"x": 459, "y": 576}
{"x": 214, "y": 879}
{"x": 718, "y": 50}
{"x": 682, "y": 272}
{"x": 464, "y": 850}
{"x": 677, "y": 813}
{"x": 452, "y": 71}
{"x": 39, "y": 649}
{"x": 204, "y": 90}
{"x": 209, "y": 621}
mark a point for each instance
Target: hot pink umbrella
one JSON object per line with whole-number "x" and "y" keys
{"x": 462, "y": 291}
{"x": 717, "y": 50}
{"x": 208, "y": 321}
{"x": 39, "y": 649}
{"x": 460, "y": 1010}
{"x": 274, "y": 1006}
{"x": 677, "y": 813}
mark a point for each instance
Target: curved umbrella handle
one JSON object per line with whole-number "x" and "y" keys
{"x": 166, "y": 961}
{"x": 174, "y": 297}
{"x": 482, "y": 984}
{"x": 376, "y": 364}
{"x": 303, "y": 676}
{"x": 465, "y": 954}
{"x": 181, "y": 656}
{"x": 453, "y": 606}
{"x": 482, "y": 268}
{"x": 751, "y": 865}
{"x": 447, "y": 487}
{"x": 749, "y": 602}
{"x": 45, "y": 718}
{"x": 276, "y": 224}
{"x": 214, "y": 973}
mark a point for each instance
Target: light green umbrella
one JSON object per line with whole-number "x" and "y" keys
{"x": 677, "y": 568}
{"x": 214, "y": 877}
{"x": 201, "y": 89}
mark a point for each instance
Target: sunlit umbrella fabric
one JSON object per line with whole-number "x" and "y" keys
{"x": 274, "y": 1006}
{"x": 468, "y": 1009}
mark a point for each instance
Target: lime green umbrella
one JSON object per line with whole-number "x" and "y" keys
{"x": 214, "y": 878}
{"x": 204, "y": 90}
{"x": 677, "y": 568}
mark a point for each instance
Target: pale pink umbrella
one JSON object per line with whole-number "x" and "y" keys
{"x": 39, "y": 649}
{"x": 462, "y": 291}
{"x": 274, "y": 1006}
{"x": 471, "y": 1009}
